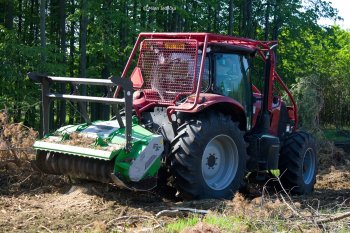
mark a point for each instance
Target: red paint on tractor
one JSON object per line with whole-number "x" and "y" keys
{"x": 189, "y": 84}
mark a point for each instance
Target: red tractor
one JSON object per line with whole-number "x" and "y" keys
{"x": 195, "y": 90}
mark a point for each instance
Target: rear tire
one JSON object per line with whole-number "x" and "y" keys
{"x": 208, "y": 157}
{"x": 298, "y": 163}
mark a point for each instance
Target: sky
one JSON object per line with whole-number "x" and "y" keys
{"x": 343, "y": 7}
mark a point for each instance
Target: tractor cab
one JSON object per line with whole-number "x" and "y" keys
{"x": 226, "y": 72}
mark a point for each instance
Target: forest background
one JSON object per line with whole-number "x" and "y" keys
{"x": 81, "y": 38}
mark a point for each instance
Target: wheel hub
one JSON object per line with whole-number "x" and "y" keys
{"x": 220, "y": 162}
{"x": 211, "y": 161}
{"x": 305, "y": 167}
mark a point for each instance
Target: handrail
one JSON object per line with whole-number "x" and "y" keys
{"x": 47, "y": 96}
{"x": 295, "y": 109}
{"x": 171, "y": 109}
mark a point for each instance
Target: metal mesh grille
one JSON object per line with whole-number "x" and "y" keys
{"x": 168, "y": 69}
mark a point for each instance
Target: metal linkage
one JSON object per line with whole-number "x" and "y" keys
{"x": 47, "y": 97}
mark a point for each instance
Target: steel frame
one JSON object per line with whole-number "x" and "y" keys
{"x": 47, "y": 81}
{"x": 263, "y": 47}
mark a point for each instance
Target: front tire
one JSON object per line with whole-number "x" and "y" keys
{"x": 208, "y": 157}
{"x": 298, "y": 163}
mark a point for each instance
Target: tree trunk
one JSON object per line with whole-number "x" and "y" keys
{"x": 276, "y": 22}
{"x": 247, "y": 19}
{"x": 20, "y": 18}
{"x": 36, "y": 24}
{"x": 216, "y": 16}
{"x": 43, "y": 55}
{"x": 71, "y": 60}
{"x": 2, "y": 12}
{"x": 143, "y": 17}
{"x": 42, "y": 32}
{"x": 126, "y": 25}
{"x": 31, "y": 23}
{"x": 83, "y": 40}
{"x": 71, "y": 45}
{"x": 267, "y": 16}
{"x": 62, "y": 17}
{"x": 275, "y": 28}
{"x": 9, "y": 15}
{"x": 230, "y": 18}
{"x": 209, "y": 17}
{"x": 134, "y": 18}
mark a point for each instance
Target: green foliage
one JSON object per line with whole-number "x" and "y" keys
{"x": 226, "y": 223}
{"x": 306, "y": 49}
{"x": 275, "y": 172}
{"x": 182, "y": 223}
{"x": 335, "y": 135}
{"x": 309, "y": 98}
{"x": 230, "y": 223}
{"x": 316, "y": 62}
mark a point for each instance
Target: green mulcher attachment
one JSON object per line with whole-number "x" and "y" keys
{"x": 119, "y": 151}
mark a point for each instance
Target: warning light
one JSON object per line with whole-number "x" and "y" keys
{"x": 174, "y": 45}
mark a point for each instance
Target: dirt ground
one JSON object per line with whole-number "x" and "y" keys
{"x": 34, "y": 202}
{"x": 31, "y": 201}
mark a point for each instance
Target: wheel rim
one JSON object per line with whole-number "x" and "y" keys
{"x": 309, "y": 166}
{"x": 220, "y": 162}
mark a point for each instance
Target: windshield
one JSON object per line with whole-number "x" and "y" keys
{"x": 231, "y": 77}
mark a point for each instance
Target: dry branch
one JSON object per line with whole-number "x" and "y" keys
{"x": 126, "y": 218}
{"x": 46, "y": 228}
{"x": 169, "y": 213}
{"x": 176, "y": 211}
{"x": 333, "y": 219}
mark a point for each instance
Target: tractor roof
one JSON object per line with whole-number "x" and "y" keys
{"x": 231, "y": 48}
{"x": 211, "y": 38}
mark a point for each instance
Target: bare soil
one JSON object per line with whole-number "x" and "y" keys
{"x": 31, "y": 201}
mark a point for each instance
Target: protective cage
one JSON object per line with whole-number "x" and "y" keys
{"x": 168, "y": 69}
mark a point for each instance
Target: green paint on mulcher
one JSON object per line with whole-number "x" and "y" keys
{"x": 142, "y": 139}
{"x": 108, "y": 145}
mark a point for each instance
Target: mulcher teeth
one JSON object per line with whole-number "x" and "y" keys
{"x": 75, "y": 166}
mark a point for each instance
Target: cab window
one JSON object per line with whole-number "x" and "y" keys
{"x": 232, "y": 78}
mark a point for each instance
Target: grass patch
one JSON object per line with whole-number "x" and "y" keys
{"x": 231, "y": 224}
{"x": 227, "y": 223}
{"x": 224, "y": 223}
{"x": 181, "y": 224}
